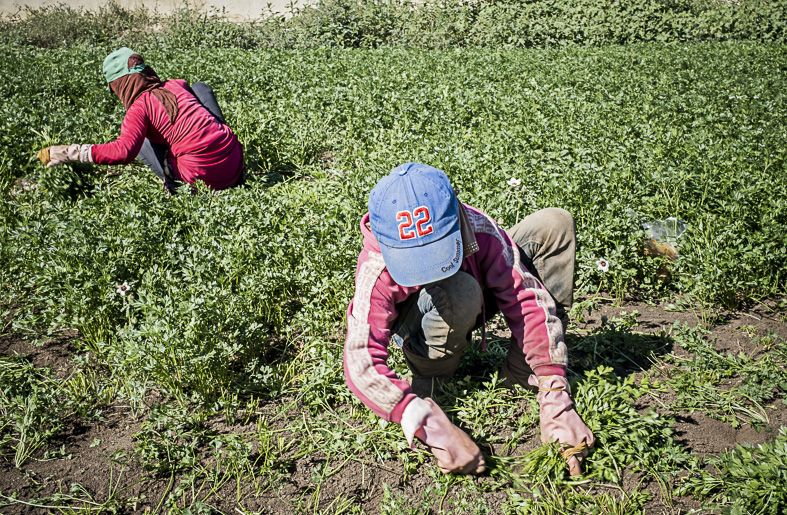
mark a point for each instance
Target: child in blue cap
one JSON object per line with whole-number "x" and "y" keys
{"x": 431, "y": 271}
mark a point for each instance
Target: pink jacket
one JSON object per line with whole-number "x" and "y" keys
{"x": 201, "y": 147}
{"x": 527, "y": 306}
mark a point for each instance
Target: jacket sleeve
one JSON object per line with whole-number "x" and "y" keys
{"x": 370, "y": 317}
{"x": 528, "y": 307}
{"x": 132, "y": 135}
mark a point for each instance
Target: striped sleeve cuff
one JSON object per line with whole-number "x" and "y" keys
{"x": 86, "y": 153}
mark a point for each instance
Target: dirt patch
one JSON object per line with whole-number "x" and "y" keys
{"x": 359, "y": 480}
{"x": 90, "y": 460}
{"x": 704, "y": 435}
{"x": 732, "y": 330}
{"x": 307, "y": 483}
{"x": 54, "y": 353}
{"x": 96, "y": 457}
{"x": 750, "y": 333}
{"x": 652, "y": 318}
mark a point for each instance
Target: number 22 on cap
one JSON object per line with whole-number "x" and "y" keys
{"x": 422, "y": 219}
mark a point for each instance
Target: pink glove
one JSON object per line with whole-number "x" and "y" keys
{"x": 59, "y": 154}
{"x": 560, "y": 421}
{"x": 454, "y": 450}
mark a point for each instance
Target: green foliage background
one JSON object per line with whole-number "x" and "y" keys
{"x": 408, "y": 23}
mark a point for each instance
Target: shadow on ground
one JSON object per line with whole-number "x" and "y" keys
{"x": 611, "y": 344}
{"x": 622, "y": 349}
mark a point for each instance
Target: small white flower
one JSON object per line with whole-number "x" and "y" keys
{"x": 122, "y": 288}
{"x": 514, "y": 182}
{"x": 602, "y": 264}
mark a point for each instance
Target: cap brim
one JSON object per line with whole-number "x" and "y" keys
{"x": 416, "y": 266}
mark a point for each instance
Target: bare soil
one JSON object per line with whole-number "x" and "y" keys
{"x": 99, "y": 454}
{"x": 93, "y": 454}
{"x": 699, "y": 433}
{"x": 54, "y": 354}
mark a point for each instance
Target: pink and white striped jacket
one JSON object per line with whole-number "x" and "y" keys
{"x": 528, "y": 308}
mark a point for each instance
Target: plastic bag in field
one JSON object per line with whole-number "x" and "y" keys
{"x": 667, "y": 230}
{"x": 662, "y": 237}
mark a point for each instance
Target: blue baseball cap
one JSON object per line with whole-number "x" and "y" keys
{"x": 414, "y": 215}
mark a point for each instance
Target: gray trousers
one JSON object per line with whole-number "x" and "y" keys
{"x": 155, "y": 155}
{"x": 434, "y": 326}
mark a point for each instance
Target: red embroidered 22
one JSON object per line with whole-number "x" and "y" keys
{"x": 422, "y": 219}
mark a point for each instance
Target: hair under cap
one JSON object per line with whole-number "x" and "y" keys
{"x": 116, "y": 64}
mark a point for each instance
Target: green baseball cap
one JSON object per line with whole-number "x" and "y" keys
{"x": 116, "y": 64}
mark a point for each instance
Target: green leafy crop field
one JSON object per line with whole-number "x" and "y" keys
{"x": 184, "y": 353}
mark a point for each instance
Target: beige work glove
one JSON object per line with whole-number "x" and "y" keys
{"x": 59, "y": 154}
{"x": 454, "y": 450}
{"x": 560, "y": 422}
